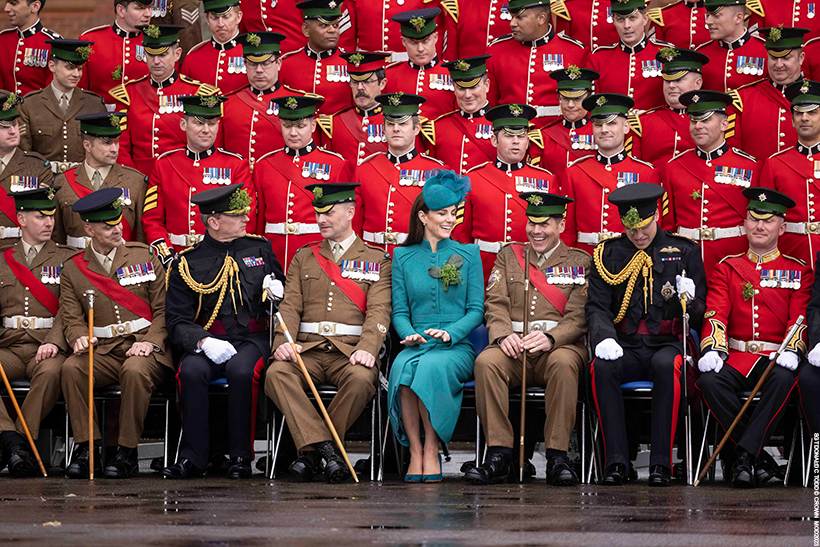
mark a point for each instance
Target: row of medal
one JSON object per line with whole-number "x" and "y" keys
{"x": 553, "y": 61}
{"x": 19, "y": 183}
{"x": 35, "y": 57}
{"x": 126, "y": 196}
{"x": 159, "y": 8}
{"x": 413, "y": 177}
{"x": 251, "y": 261}
{"x": 236, "y": 65}
{"x": 505, "y": 13}
{"x": 169, "y": 104}
{"x": 360, "y": 270}
{"x": 50, "y": 275}
{"x": 651, "y": 69}
{"x": 583, "y": 142}
{"x": 565, "y": 275}
{"x": 780, "y": 279}
{"x": 752, "y": 66}
{"x": 441, "y": 82}
{"x": 733, "y": 175}
{"x": 627, "y": 178}
{"x": 375, "y": 133}
{"x": 483, "y": 131}
{"x": 318, "y": 171}
{"x": 140, "y": 54}
{"x": 216, "y": 175}
{"x": 531, "y": 184}
{"x": 337, "y": 73}
{"x": 138, "y": 273}
{"x": 273, "y": 109}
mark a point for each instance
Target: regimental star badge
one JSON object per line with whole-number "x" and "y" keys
{"x": 208, "y": 101}
{"x": 356, "y": 59}
{"x": 696, "y": 99}
{"x": 318, "y": 192}
{"x": 84, "y": 52}
{"x": 516, "y": 110}
{"x": 152, "y": 31}
{"x": 332, "y": 4}
{"x": 254, "y": 39}
{"x": 805, "y": 87}
{"x": 601, "y": 101}
{"x": 417, "y": 23}
{"x": 10, "y": 101}
{"x": 573, "y": 72}
{"x": 291, "y": 103}
{"x": 462, "y": 65}
{"x": 395, "y": 99}
{"x": 668, "y": 53}
{"x": 776, "y": 33}
{"x": 667, "y": 291}
{"x": 114, "y": 120}
{"x": 535, "y": 200}
{"x": 761, "y": 197}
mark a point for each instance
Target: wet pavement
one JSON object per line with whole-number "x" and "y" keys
{"x": 217, "y": 511}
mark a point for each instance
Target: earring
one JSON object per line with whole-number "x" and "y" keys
{"x": 424, "y": 224}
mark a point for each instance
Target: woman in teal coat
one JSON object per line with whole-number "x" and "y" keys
{"x": 438, "y": 299}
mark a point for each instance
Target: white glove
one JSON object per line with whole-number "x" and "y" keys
{"x": 711, "y": 361}
{"x": 218, "y": 350}
{"x": 608, "y": 350}
{"x": 274, "y": 287}
{"x": 788, "y": 360}
{"x": 686, "y": 287}
{"x": 814, "y": 356}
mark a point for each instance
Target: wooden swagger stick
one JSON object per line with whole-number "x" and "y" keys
{"x": 524, "y": 366}
{"x": 316, "y": 396}
{"x": 22, "y": 421}
{"x": 90, "y": 296}
{"x": 748, "y": 402}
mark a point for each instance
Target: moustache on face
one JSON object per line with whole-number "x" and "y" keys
{"x": 362, "y": 94}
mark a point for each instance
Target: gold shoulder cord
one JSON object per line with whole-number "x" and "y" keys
{"x": 226, "y": 278}
{"x": 641, "y": 264}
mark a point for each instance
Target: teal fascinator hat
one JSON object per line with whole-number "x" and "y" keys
{"x": 445, "y": 189}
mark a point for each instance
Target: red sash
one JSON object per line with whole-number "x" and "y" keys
{"x": 703, "y": 173}
{"x": 468, "y": 130}
{"x": 552, "y": 293}
{"x": 776, "y": 300}
{"x": 114, "y": 290}
{"x": 353, "y": 124}
{"x": 560, "y": 136}
{"x": 597, "y": 172}
{"x": 151, "y": 100}
{"x": 391, "y": 175}
{"x": 7, "y": 207}
{"x": 82, "y": 191}
{"x": 32, "y": 283}
{"x": 348, "y": 286}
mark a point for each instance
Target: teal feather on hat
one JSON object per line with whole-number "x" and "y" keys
{"x": 445, "y": 189}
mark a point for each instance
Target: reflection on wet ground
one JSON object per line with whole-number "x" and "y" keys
{"x": 216, "y": 511}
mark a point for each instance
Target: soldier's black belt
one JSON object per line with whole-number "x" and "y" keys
{"x": 667, "y": 327}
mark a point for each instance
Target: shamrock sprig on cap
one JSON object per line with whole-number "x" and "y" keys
{"x": 254, "y": 39}
{"x": 631, "y": 219}
{"x": 417, "y": 23}
{"x": 240, "y": 200}
{"x": 84, "y": 52}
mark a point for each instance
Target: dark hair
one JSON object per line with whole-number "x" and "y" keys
{"x": 42, "y": 4}
{"x": 415, "y": 233}
{"x": 381, "y": 74}
{"x": 541, "y": 8}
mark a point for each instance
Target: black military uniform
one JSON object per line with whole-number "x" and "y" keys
{"x": 809, "y": 380}
{"x": 224, "y": 335}
{"x": 635, "y": 331}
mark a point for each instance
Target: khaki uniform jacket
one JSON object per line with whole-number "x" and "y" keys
{"x": 74, "y": 304}
{"x": 15, "y": 298}
{"x": 69, "y": 223}
{"x": 22, "y": 164}
{"x": 506, "y": 303}
{"x": 311, "y": 296}
{"x": 46, "y": 130}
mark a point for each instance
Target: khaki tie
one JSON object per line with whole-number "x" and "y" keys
{"x": 64, "y": 103}
{"x": 107, "y": 264}
{"x": 96, "y": 180}
{"x": 32, "y": 252}
{"x": 541, "y": 260}
{"x": 337, "y": 251}
{"x": 2, "y": 166}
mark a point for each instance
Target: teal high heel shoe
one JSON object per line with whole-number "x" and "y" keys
{"x": 438, "y": 476}
{"x": 413, "y": 478}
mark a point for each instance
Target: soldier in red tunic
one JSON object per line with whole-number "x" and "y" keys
{"x": 811, "y": 65}
{"x": 284, "y": 17}
{"x": 791, "y": 13}
{"x": 24, "y": 52}
{"x": 522, "y": 61}
{"x": 796, "y": 172}
{"x": 664, "y": 131}
{"x": 588, "y": 21}
{"x": 684, "y": 24}
{"x": 390, "y": 181}
{"x": 474, "y": 29}
{"x": 569, "y": 138}
{"x": 765, "y": 128}
{"x": 737, "y": 56}
{"x": 591, "y": 178}
{"x": 250, "y": 127}
{"x": 704, "y": 184}
{"x": 119, "y": 55}
{"x": 422, "y": 74}
{"x": 286, "y": 216}
{"x": 153, "y": 107}
{"x": 219, "y": 61}
{"x": 494, "y": 216}
{"x": 170, "y": 218}
{"x": 629, "y": 65}
{"x": 754, "y": 299}
{"x": 319, "y": 67}
{"x": 372, "y": 20}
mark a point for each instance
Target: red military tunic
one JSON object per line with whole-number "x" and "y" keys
{"x": 565, "y": 142}
{"x": 24, "y": 58}
{"x": 734, "y": 65}
{"x": 479, "y": 23}
{"x": 706, "y": 204}
{"x": 286, "y": 216}
{"x": 220, "y": 65}
{"x": 520, "y": 72}
{"x": 169, "y": 215}
{"x": 500, "y": 216}
{"x": 389, "y": 184}
{"x": 684, "y": 24}
{"x": 375, "y": 29}
{"x": 663, "y": 133}
{"x": 590, "y": 22}
{"x": 250, "y": 126}
{"x": 811, "y": 64}
{"x": 463, "y": 140}
{"x": 734, "y": 316}
{"x": 631, "y": 71}
{"x": 117, "y": 57}
{"x": 323, "y": 73}
{"x": 153, "y": 118}
{"x": 792, "y": 13}
{"x": 590, "y": 218}
{"x": 765, "y": 123}
{"x": 284, "y": 17}
{"x": 796, "y": 173}
{"x": 431, "y": 81}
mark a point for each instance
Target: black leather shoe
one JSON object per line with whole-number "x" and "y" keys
{"x": 80, "y": 462}
{"x": 615, "y": 475}
{"x": 679, "y": 471}
{"x": 240, "y": 468}
{"x": 125, "y": 464}
{"x": 766, "y": 469}
{"x": 335, "y": 467}
{"x": 183, "y": 469}
{"x": 496, "y": 469}
{"x": 307, "y": 465}
{"x": 742, "y": 472}
{"x": 659, "y": 475}
{"x": 529, "y": 470}
{"x": 21, "y": 461}
{"x": 559, "y": 472}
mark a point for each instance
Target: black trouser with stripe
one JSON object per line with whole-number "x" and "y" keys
{"x": 659, "y": 365}
{"x": 809, "y": 387}
{"x": 721, "y": 392}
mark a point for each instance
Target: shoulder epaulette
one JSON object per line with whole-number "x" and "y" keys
{"x": 679, "y": 154}
{"x": 331, "y": 152}
{"x": 580, "y": 160}
{"x": 326, "y": 123}
{"x": 169, "y": 152}
{"x": 92, "y": 94}
{"x": 660, "y": 43}
{"x": 559, "y": 8}
{"x": 596, "y": 49}
{"x": 291, "y": 53}
{"x": 289, "y": 88}
{"x": 136, "y": 245}
{"x": 703, "y": 45}
{"x": 641, "y": 161}
{"x": 132, "y": 170}
{"x": 196, "y": 47}
{"x": 257, "y": 236}
{"x": 374, "y": 248}
{"x": 95, "y": 29}
{"x": 563, "y": 35}
{"x": 36, "y": 156}
{"x": 635, "y": 123}
{"x": 370, "y": 157}
{"x": 425, "y": 156}
{"x": 756, "y": 36}
{"x": 428, "y": 129}
{"x": 727, "y": 257}
{"x": 782, "y": 152}
{"x": 31, "y": 94}
{"x": 234, "y": 154}
{"x": 479, "y": 166}
{"x": 392, "y": 64}
{"x": 445, "y": 115}
{"x": 798, "y": 260}
{"x": 656, "y": 16}
{"x": 6, "y": 31}
{"x": 51, "y": 34}
{"x": 451, "y": 7}
{"x": 500, "y": 39}
{"x": 743, "y": 154}
{"x": 670, "y": 4}
{"x": 539, "y": 168}
{"x": 689, "y": 239}
{"x": 263, "y": 156}
{"x": 649, "y": 111}
{"x": 536, "y": 138}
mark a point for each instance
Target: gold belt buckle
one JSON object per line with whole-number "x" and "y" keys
{"x": 812, "y": 227}
{"x": 390, "y": 238}
{"x": 603, "y": 236}
{"x": 191, "y": 240}
{"x": 63, "y": 166}
{"x": 535, "y": 327}
{"x": 291, "y": 228}
{"x": 25, "y": 322}
{"x": 752, "y": 347}
{"x": 707, "y": 234}
{"x": 326, "y": 328}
